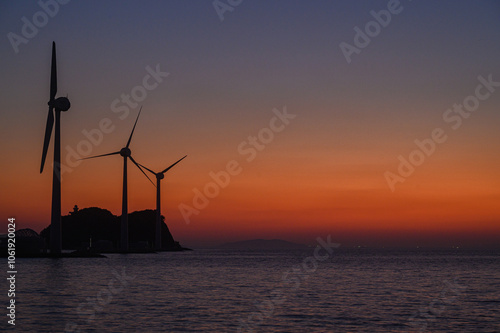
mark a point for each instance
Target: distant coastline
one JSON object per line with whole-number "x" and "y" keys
{"x": 262, "y": 244}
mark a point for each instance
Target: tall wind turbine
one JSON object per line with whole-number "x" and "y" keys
{"x": 55, "y": 106}
{"x": 126, "y": 153}
{"x": 159, "y": 177}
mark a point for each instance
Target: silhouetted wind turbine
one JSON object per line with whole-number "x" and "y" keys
{"x": 126, "y": 153}
{"x": 55, "y": 105}
{"x": 159, "y": 177}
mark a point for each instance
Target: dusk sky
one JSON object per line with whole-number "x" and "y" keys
{"x": 331, "y": 167}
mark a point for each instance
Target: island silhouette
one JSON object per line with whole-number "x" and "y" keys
{"x": 97, "y": 230}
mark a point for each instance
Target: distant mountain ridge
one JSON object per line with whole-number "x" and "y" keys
{"x": 262, "y": 244}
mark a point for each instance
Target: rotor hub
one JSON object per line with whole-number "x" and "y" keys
{"x": 125, "y": 152}
{"x": 61, "y": 104}
{"x": 160, "y": 175}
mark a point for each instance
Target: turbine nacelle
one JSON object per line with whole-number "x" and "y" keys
{"x": 125, "y": 152}
{"x": 61, "y": 104}
{"x": 160, "y": 176}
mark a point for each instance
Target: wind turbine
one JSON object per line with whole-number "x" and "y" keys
{"x": 126, "y": 153}
{"x": 159, "y": 177}
{"x": 55, "y": 106}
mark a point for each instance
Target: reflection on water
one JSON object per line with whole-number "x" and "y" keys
{"x": 218, "y": 291}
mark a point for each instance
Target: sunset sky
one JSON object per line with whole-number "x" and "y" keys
{"x": 322, "y": 171}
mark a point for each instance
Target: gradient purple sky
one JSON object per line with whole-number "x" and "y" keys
{"x": 323, "y": 174}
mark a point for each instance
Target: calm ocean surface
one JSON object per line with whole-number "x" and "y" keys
{"x": 223, "y": 291}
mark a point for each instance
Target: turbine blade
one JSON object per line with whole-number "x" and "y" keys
{"x": 173, "y": 165}
{"x": 115, "y": 153}
{"x": 53, "y": 74}
{"x": 130, "y": 138}
{"x": 48, "y": 133}
{"x": 154, "y": 173}
{"x": 139, "y": 166}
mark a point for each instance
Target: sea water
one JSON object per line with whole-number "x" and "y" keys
{"x": 348, "y": 290}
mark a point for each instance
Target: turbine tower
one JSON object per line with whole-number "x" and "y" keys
{"x": 55, "y": 106}
{"x": 159, "y": 177}
{"x": 126, "y": 153}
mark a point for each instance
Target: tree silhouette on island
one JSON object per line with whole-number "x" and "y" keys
{"x": 98, "y": 230}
